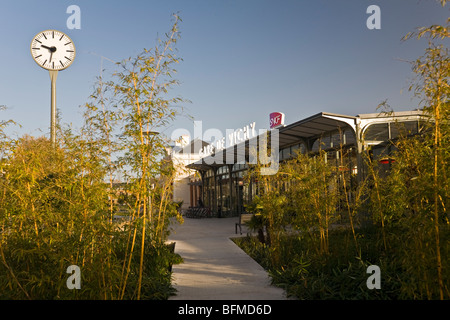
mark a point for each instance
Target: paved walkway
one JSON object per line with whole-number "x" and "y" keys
{"x": 214, "y": 267}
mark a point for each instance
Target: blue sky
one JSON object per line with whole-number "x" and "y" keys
{"x": 241, "y": 59}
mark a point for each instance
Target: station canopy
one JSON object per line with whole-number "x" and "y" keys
{"x": 300, "y": 131}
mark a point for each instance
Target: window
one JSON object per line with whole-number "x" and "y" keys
{"x": 349, "y": 137}
{"x": 377, "y": 132}
{"x": 392, "y": 130}
{"x": 286, "y": 153}
{"x": 222, "y": 170}
{"x": 295, "y": 149}
{"x": 403, "y": 128}
{"x": 239, "y": 166}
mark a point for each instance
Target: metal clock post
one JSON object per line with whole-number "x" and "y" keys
{"x": 54, "y": 51}
{"x": 53, "y": 76}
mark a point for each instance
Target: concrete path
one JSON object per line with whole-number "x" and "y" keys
{"x": 214, "y": 267}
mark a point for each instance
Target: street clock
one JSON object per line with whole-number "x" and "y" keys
{"x": 52, "y": 50}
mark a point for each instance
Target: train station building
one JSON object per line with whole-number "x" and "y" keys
{"x": 217, "y": 170}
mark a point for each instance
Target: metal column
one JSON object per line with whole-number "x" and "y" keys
{"x": 53, "y": 76}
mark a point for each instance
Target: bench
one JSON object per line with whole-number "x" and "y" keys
{"x": 198, "y": 212}
{"x": 171, "y": 247}
{"x": 243, "y": 218}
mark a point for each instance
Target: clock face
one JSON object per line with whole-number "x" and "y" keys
{"x": 52, "y": 50}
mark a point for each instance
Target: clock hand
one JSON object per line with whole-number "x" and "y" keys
{"x": 52, "y": 49}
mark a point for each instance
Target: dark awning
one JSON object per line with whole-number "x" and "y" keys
{"x": 313, "y": 127}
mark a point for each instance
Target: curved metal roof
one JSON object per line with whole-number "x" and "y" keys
{"x": 304, "y": 129}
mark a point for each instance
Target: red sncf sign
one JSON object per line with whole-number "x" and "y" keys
{"x": 276, "y": 120}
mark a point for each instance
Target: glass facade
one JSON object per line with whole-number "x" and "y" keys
{"x": 334, "y": 139}
{"x": 392, "y": 130}
{"x": 227, "y": 191}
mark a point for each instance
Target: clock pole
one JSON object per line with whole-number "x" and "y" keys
{"x": 53, "y": 76}
{"x": 47, "y": 49}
